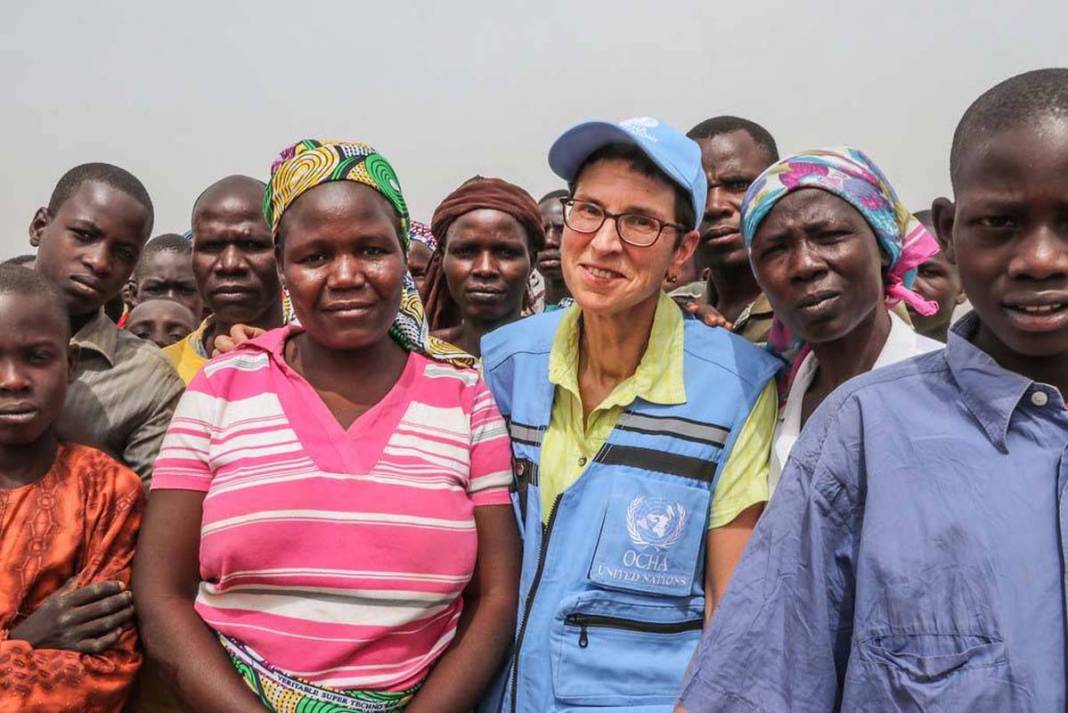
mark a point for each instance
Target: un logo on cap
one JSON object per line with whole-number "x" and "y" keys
{"x": 640, "y": 126}
{"x": 655, "y": 521}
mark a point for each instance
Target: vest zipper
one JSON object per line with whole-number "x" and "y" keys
{"x": 529, "y": 604}
{"x": 588, "y": 621}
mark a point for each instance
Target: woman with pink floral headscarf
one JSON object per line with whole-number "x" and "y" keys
{"x": 835, "y": 251}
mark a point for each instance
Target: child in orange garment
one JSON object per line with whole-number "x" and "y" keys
{"x": 69, "y": 517}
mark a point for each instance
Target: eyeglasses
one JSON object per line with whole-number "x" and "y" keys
{"x": 632, "y": 228}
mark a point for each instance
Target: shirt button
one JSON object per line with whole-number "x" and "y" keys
{"x": 1039, "y": 398}
{"x": 582, "y": 460}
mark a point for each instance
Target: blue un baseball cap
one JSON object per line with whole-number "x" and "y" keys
{"x": 676, "y": 155}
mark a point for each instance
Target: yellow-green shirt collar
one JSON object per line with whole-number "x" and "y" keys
{"x": 658, "y": 378}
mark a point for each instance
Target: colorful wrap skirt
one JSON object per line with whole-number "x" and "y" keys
{"x": 283, "y": 693}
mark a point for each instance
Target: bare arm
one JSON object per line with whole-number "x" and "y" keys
{"x": 488, "y": 621}
{"x": 166, "y": 574}
{"x": 725, "y": 547}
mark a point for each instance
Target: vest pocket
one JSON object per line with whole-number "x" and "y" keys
{"x": 619, "y": 653}
{"x": 652, "y": 537}
{"x": 585, "y": 622}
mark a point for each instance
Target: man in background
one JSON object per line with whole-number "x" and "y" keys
{"x": 234, "y": 266}
{"x": 165, "y": 272}
{"x": 89, "y": 238}
{"x": 938, "y": 280}
{"x": 734, "y": 152}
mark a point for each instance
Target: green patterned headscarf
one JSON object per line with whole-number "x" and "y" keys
{"x": 310, "y": 163}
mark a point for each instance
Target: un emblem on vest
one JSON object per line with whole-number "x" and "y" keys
{"x": 655, "y": 521}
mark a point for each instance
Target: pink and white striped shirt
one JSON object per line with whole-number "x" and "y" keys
{"x": 338, "y": 556}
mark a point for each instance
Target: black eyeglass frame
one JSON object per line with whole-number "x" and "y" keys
{"x": 569, "y": 203}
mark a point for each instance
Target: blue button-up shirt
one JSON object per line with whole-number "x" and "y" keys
{"x": 913, "y": 557}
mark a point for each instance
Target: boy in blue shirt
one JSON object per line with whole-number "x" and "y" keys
{"x": 913, "y": 558}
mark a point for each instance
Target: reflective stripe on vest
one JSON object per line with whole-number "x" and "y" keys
{"x": 613, "y": 590}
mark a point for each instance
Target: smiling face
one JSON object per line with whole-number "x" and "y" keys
{"x": 35, "y": 360}
{"x": 819, "y": 264}
{"x": 732, "y": 161}
{"x": 343, "y": 263}
{"x": 1009, "y": 238}
{"x": 162, "y": 322}
{"x": 168, "y": 275}
{"x": 487, "y": 263}
{"x": 90, "y": 246}
{"x": 605, "y": 275}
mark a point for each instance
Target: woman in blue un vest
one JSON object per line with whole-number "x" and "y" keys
{"x": 641, "y": 437}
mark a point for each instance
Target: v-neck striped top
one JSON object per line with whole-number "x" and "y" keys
{"x": 337, "y": 555}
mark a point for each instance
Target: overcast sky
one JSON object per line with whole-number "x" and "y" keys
{"x": 183, "y": 93}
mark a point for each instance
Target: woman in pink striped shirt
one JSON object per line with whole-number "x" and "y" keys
{"x": 329, "y": 526}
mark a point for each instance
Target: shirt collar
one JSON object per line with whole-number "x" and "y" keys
{"x": 100, "y": 335}
{"x": 659, "y": 376}
{"x": 990, "y": 392}
{"x": 759, "y": 308}
{"x": 196, "y": 337}
{"x": 902, "y": 343}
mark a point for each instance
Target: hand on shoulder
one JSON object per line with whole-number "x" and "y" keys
{"x": 708, "y": 314}
{"x": 239, "y": 333}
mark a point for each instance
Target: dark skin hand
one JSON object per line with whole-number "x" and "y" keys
{"x": 709, "y": 315}
{"x": 35, "y": 364}
{"x": 165, "y": 578}
{"x": 89, "y": 620}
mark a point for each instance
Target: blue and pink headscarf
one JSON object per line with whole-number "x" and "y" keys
{"x": 849, "y": 174}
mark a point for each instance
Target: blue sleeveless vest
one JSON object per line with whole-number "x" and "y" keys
{"x": 612, "y": 588}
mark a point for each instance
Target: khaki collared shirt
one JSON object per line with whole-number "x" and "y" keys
{"x": 122, "y": 396}
{"x": 754, "y": 323}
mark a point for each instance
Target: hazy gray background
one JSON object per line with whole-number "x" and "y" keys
{"x": 185, "y": 92}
